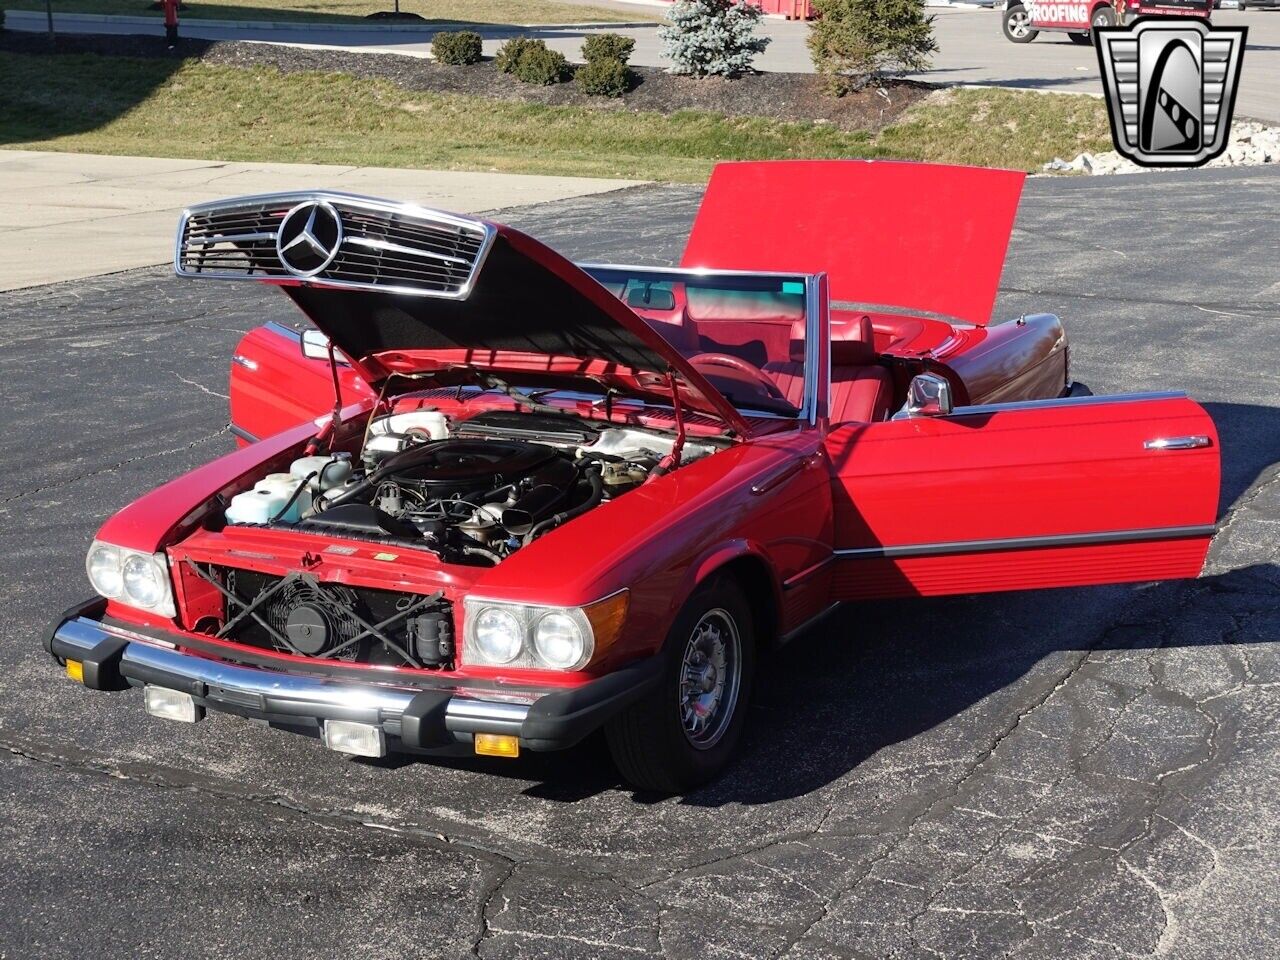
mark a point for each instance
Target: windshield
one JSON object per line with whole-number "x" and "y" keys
{"x": 746, "y": 333}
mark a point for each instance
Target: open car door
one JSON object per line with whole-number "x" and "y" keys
{"x": 275, "y": 385}
{"x": 1049, "y": 493}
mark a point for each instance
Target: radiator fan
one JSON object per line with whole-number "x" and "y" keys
{"x": 316, "y": 619}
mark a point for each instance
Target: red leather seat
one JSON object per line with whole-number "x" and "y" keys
{"x": 861, "y": 390}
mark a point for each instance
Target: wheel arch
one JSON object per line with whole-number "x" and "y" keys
{"x": 749, "y": 565}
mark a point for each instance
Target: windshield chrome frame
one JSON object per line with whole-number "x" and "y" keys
{"x": 808, "y": 412}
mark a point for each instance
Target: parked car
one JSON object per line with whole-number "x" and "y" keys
{"x": 551, "y": 498}
{"x": 1024, "y": 20}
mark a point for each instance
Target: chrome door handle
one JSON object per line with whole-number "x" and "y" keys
{"x": 1176, "y": 443}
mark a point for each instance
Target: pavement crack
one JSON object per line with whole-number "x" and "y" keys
{"x": 482, "y": 913}
{"x": 201, "y": 387}
{"x": 113, "y": 467}
{"x": 156, "y": 778}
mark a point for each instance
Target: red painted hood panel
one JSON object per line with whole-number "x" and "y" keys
{"x": 914, "y": 236}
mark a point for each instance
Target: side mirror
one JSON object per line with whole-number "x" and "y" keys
{"x": 315, "y": 346}
{"x": 929, "y": 395}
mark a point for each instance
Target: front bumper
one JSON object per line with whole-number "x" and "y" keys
{"x": 437, "y": 716}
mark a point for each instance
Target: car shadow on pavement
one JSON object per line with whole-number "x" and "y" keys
{"x": 881, "y": 673}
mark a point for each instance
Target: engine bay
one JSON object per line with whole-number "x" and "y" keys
{"x": 473, "y": 491}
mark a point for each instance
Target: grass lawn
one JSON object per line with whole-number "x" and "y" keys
{"x": 437, "y": 11}
{"x": 190, "y": 109}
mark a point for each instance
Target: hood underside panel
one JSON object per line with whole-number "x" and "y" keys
{"x": 517, "y": 306}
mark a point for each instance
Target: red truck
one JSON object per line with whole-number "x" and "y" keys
{"x": 1024, "y": 20}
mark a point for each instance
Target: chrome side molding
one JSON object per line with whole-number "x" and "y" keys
{"x": 951, "y": 547}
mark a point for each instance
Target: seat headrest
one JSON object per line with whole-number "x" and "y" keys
{"x": 852, "y": 342}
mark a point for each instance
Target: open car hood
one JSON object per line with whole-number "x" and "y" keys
{"x": 403, "y": 289}
{"x": 915, "y": 237}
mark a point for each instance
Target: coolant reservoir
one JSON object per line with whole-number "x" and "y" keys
{"x": 268, "y": 498}
{"x": 332, "y": 471}
{"x": 258, "y": 505}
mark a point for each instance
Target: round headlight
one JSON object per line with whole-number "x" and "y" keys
{"x": 103, "y": 566}
{"x": 144, "y": 582}
{"x": 559, "y": 641}
{"x": 499, "y": 636}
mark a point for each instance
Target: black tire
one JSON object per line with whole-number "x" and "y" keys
{"x": 1102, "y": 17}
{"x": 1016, "y": 23}
{"x": 1084, "y": 39}
{"x": 648, "y": 741}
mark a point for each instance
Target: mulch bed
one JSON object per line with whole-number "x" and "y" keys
{"x": 779, "y": 96}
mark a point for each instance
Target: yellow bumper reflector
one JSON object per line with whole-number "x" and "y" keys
{"x": 497, "y": 745}
{"x": 75, "y": 670}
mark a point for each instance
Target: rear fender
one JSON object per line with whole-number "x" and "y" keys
{"x": 1022, "y": 360}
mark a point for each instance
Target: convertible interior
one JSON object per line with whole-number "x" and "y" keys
{"x": 750, "y": 345}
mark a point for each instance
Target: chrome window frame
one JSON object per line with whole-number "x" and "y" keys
{"x": 808, "y": 412}
{"x": 1050, "y": 403}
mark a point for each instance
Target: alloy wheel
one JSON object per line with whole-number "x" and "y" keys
{"x": 710, "y": 677}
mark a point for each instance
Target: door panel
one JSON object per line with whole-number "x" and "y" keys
{"x": 1055, "y": 493}
{"x": 274, "y": 387}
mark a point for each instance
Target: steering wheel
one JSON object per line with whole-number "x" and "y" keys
{"x": 749, "y": 370}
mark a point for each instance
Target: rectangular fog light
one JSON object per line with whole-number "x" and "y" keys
{"x": 357, "y": 739}
{"x": 497, "y": 745}
{"x": 171, "y": 704}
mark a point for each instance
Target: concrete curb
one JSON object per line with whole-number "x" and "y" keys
{"x": 19, "y": 20}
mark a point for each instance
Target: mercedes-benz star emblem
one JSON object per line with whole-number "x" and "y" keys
{"x": 309, "y": 238}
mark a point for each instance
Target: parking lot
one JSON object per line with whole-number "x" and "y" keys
{"x": 1077, "y": 774}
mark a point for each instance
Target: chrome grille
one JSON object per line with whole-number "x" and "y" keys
{"x": 377, "y": 244}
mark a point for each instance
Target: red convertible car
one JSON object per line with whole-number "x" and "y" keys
{"x": 492, "y": 501}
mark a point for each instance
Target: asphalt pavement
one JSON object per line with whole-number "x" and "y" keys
{"x": 971, "y": 47}
{"x": 1056, "y": 774}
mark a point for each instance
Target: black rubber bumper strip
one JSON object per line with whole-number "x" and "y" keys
{"x": 101, "y": 663}
{"x": 562, "y": 719}
{"x": 423, "y": 722}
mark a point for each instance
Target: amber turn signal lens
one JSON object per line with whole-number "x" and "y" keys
{"x": 606, "y": 618}
{"x": 497, "y": 745}
{"x": 75, "y": 670}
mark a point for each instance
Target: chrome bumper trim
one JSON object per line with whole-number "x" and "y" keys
{"x": 484, "y": 716}
{"x": 237, "y": 685}
{"x": 234, "y": 686}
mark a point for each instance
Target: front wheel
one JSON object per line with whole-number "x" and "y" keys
{"x": 685, "y": 731}
{"x": 1102, "y": 17}
{"x": 1017, "y": 25}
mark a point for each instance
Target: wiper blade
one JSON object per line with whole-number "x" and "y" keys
{"x": 523, "y": 399}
